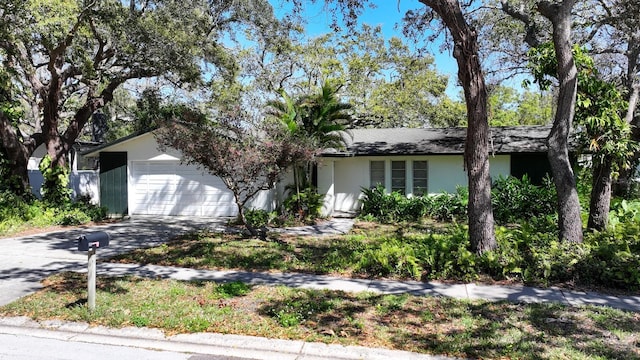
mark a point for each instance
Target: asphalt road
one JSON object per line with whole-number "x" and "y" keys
{"x": 26, "y": 347}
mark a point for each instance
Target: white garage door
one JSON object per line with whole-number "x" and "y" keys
{"x": 169, "y": 188}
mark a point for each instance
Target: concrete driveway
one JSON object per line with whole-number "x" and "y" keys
{"x": 25, "y": 261}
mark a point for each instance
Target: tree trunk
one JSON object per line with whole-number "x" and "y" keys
{"x": 600, "y": 196}
{"x": 476, "y": 156}
{"x": 261, "y": 233}
{"x": 18, "y": 174}
{"x": 569, "y": 221}
{"x": 17, "y": 153}
{"x": 243, "y": 219}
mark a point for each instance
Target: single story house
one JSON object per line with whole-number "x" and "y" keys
{"x": 138, "y": 179}
{"x": 423, "y": 161}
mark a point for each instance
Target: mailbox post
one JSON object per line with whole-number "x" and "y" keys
{"x": 91, "y": 242}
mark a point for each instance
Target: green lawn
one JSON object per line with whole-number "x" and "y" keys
{"x": 468, "y": 329}
{"x": 605, "y": 262}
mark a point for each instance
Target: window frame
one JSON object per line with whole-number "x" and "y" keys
{"x": 422, "y": 190}
{"x": 402, "y": 190}
{"x": 373, "y": 184}
{"x": 382, "y": 172}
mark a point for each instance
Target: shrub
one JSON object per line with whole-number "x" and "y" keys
{"x": 372, "y": 201}
{"x": 614, "y": 257}
{"x": 56, "y": 178}
{"x": 391, "y": 257}
{"x": 395, "y": 207}
{"x": 515, "y": 200}
{"x": 93, "y": 211}
{"x": 534, "y": 255}
{"x": 72, "y": 217}
{"x": 257, "y": 218}
{"x": 446, "y": 256}
{"x": 449, "y": 207}
{"x": 622, "y": 211}
{"x": 12, "y": 205}
{"x": 382, "y": 206}
{"x": 16, "y": 213}
{"x": 527, "y": 253}
{"x": 304, "y": 205}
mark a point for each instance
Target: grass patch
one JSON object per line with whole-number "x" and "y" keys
{"x": 206, "y": 250}
{"x": 527, "y": 254}
{"x": 469, "y": 329}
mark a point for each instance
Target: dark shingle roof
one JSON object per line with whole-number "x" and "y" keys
{"x": 405, "y": 141}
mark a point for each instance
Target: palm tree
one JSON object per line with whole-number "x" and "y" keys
{"x": 286, "y": 111}
{"x": 325, "y": 118}
{"x": 320, "y": 118}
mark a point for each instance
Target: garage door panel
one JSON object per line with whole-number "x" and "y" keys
{"x": 168, "y": 188}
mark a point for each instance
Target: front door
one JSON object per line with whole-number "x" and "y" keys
{"x": 113, "y": 182}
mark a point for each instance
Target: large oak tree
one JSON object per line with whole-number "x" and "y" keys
{"x": 67, "y": 58}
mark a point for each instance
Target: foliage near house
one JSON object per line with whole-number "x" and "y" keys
{"x": 248, "y": 156}
{"x": 20, "y": 214}
{"x": 320, "y": 121}
{"x": 514, "y": 200}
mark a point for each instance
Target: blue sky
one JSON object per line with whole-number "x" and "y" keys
{"x": 387, "y": 14}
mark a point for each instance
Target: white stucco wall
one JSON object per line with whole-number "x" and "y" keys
{"x": 342, "y": 179}
{"x": 145, "y": 148}
{"x": 326, "y": 184}
{"x": 81, "y": 182}
{"x": 350, "y": 175}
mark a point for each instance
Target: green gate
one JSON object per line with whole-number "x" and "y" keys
{"x": 113, "y": 182}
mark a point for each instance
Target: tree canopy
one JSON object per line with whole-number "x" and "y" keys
{"x": 387, "y": 82}
{"x": 67, "y": 58}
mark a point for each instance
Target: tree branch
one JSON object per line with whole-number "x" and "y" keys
{"x": 532, "y": 36}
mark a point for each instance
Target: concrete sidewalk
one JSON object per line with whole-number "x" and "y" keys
{"x": 471, "y": 291}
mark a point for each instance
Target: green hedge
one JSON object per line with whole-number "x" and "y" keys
{"x": 394, "y": 207}
{"x": 513, "y": 200}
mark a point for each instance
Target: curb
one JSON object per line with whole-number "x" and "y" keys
{"x": 250, "y": 347}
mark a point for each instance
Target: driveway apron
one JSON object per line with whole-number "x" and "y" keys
{"x": 25, "y": 261}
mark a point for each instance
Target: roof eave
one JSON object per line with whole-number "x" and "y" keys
{"x": 96, "y": 151}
